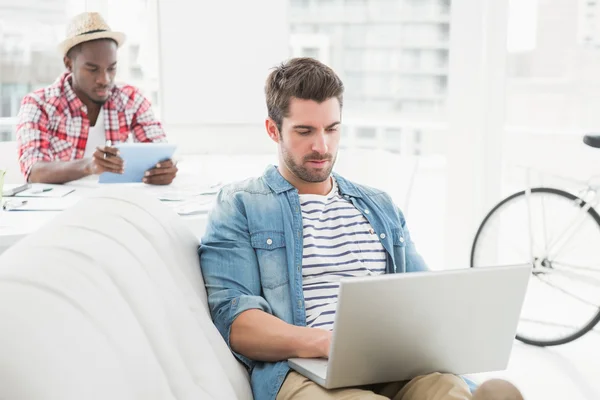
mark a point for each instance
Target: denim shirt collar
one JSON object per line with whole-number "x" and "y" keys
{"x": 279, "y": 184}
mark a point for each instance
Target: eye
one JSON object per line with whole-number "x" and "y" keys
{"x": 303, "y": 133}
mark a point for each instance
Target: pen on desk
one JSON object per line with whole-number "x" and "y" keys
{"x": 40, "y": 191}
{"x": 11, "y": 205}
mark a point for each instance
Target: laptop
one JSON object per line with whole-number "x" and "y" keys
{"x": 396, "y": 327}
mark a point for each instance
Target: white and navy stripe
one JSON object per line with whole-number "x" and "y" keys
{"x": 338, "y": 242}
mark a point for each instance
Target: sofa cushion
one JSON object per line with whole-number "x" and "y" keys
{"x": 107, "y": 301}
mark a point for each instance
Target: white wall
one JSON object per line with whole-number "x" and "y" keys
{"x": 215, "y": 56}
{"x": 476, "y": 104}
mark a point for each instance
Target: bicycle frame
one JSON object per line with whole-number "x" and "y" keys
{"x": 591, "y": 187}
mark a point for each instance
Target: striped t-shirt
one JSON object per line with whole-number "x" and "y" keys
{"x": 338, "y": 242}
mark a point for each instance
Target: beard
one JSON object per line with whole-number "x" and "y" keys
{"x": 99, "y": 102}
{"x": 309, "y": 174}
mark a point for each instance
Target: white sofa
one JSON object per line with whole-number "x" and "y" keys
{"x": 107, "y": 302}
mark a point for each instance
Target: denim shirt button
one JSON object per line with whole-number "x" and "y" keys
{"x": 401, "y": 239}
{"x": 382, "y": 236}
{"x": 269, "y": 242}
{"x": 366, "y": 211}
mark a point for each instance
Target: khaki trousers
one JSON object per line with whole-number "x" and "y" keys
{"x": 428, "y": 387}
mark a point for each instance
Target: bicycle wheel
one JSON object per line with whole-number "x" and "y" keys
{"x": 550, "y": 230}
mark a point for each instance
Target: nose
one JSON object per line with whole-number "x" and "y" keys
{"x": 103, "y": 78}
{"x": 320, "y": 143}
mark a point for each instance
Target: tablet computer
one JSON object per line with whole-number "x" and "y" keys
{"x": 138, "y": 158}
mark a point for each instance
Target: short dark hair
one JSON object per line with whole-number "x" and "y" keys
{"x": 75, "y": 50}
{"x": 304, "y": 78}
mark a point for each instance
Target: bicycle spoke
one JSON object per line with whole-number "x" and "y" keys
{"x": 575, "y": 276}
{"x": 558, "y": 246}
{"x": 590, "y": 269}
{"x": 544, "y": 228}
{"x": 554, "y": 324}
{"x": 547, "y": 323}
{"x": 567, "y": 293}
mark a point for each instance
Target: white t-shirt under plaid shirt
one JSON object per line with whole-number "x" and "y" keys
{"x": 338, "y": 242}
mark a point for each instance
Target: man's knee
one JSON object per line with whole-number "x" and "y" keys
{"x": 436, "y": 385}
{"x": 446, "y": 380}
{"x": 497, "y": 389}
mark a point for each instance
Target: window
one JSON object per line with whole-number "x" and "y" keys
{"x": 29, "y": 61}
{"x": 138, "y": 58}
{"x": 393, "y": 59}
{"x": 551, "y": 89}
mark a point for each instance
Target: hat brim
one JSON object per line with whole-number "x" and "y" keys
{"x": 68, "y": 44}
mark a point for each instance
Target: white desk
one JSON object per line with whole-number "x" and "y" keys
{"x": 15, "y": 225}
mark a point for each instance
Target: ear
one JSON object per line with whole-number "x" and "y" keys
{"x": 272, "y": 130}
{"x": 68, "y": 63}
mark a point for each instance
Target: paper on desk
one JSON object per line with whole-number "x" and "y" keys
{"x": 42, "y": 190}
{"x": 198, "y": 205}
{"x": 186, "y": 192}
{"x": 48, "y": 204}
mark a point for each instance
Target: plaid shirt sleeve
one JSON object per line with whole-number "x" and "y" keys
{"x": 144, "y": 124}
{"x": 33, "y": 140}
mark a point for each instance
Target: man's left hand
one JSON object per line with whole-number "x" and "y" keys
{"x": 162, "y": 174}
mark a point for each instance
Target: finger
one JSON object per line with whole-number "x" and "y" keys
{"x": 108, "y": 166}
{"x": 163, "y": 179}
{"x": 165, "y": 164}
{"x": 112, "y": 160}
{"x": 161, "y": 171}
{"x": 113, "y": 151}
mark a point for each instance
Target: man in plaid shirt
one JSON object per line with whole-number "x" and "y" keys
{"x": 65, "y": 131}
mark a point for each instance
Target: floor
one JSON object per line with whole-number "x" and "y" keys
{"x": 568, "y": 372}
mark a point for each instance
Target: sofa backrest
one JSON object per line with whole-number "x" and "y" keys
{"x": 107, "y": 302}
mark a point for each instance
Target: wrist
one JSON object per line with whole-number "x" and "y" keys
{"x": 313, "y": 343}
{"x": 87, "y": 167}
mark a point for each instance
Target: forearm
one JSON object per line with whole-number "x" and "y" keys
{"x": 263, "y": 337}
{"x": 59, "y": 171}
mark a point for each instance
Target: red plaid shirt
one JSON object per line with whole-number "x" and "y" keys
{"x": 53, "y": 123}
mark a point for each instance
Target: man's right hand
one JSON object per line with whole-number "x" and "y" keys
{"x": 106, "y": 159}
{"x": 320, "y": 346}
{"x": 262, "y": 337}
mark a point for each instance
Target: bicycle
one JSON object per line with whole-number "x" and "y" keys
{"x": 563, "y": 298}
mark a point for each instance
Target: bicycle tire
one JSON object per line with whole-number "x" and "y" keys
{"x": 595, "y": 320}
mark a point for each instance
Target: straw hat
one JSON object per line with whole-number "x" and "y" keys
{"x": 88, "y": 26}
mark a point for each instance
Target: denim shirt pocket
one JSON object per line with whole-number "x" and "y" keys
{"x": 399, "y": 250}
{"x": 272, "y": 259}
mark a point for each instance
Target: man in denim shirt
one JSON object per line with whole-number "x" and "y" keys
{"x": 276, "y": 247}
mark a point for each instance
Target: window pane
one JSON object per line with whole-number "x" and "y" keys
{"x": 393, "y": 58}
{"x": 138, "y": 58}
{"x": 29, "y": 34}
{"x": 552, "y": 90}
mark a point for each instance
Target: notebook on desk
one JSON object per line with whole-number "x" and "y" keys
{"x": 45, "y": 190}
{"x": 13, "y": 189}
{"x": 48, "y": 204}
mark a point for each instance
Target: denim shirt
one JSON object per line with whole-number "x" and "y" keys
{"x": 251, "y": 256}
